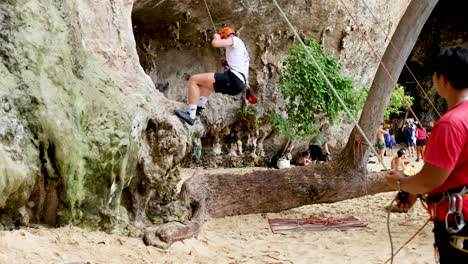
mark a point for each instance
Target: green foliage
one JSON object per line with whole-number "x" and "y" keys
{"x": 397, "y": 102}
{"x": 196, "y": 134}
{"x": 258, "y": 121}
{"x": 309, "y": 100}
{"x": 246, "y": 111}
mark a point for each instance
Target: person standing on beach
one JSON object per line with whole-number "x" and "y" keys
{"x": 444, "y": 176}
{"x": 381, "y": 141}
{"x": 231, "y": 81}
{"x": 409, "y": 137}
{"x": 420, "y": 141}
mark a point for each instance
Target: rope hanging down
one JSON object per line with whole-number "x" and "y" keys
{"x": 211, "y": 18}
{"x": 409, "y": 108}
{"x": 380, "y": 60}
{"x": 329, "y": 84}
{"x": 418, "y": 84}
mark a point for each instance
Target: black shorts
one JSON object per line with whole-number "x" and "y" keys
{"x": 316, "y": 153}
{"x": 420, "y": 142}
{"x": 228, "y": 83}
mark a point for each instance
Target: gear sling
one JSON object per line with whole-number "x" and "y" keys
{"x": 454, "y": 218}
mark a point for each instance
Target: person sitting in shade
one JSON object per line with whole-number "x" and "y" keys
{"x": 318, "y": 147}
{"x": 303, "y": 159}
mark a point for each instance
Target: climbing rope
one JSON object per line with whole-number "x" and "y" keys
{"x": 329, "y": 84}
{"x": 209, "y": 15}
{"x": 221, "y": 51}
{"x": 341, "y": 101}
{"x": 418, "y": 84}
{"x": 387, "y": 72}
{"x": 409, "y": 108}
{"x": 407, "y": 242}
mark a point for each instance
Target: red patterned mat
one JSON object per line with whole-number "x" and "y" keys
{"x": 285, "y": 226}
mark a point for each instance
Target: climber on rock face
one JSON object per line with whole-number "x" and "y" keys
{"x": 231, "y": 81}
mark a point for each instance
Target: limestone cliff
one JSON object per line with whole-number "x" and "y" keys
{"x": 75, "y": 105}
{"x": 173, "y": 43}
{"x": 87, "y": 134}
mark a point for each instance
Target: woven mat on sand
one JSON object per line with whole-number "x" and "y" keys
{"x": 285, "y": 226}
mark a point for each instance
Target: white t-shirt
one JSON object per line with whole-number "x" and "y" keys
{"x": 238, "y": 58}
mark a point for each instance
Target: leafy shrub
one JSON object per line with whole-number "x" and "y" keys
{"x": 309, "y": 100}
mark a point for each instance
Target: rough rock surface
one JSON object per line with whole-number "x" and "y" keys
{"x": 75, "y": 107}
{"x": 448, "y": 25}
{"x": 86, "y": 137}
{"x": 173, "y": 43}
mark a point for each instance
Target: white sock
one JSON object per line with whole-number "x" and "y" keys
{"x": 192, "y": 109}
{"x": 202, "y": 101}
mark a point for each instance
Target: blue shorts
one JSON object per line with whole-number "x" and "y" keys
{"x": 409, "y": 143}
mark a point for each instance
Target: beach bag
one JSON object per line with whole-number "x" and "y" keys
{"x": 283, "y": 163}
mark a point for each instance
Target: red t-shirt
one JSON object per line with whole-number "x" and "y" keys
{"x": 447, "y": 148}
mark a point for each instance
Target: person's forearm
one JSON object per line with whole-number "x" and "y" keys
{"x": 326, "y": 149}
{"x": 415, "y": 185}
{"x": 428, "y": 179}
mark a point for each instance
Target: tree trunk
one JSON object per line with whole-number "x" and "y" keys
{"x": 278, "y": 190}
{"x": 394, "y": 59}
{"x": 262, "y": 192}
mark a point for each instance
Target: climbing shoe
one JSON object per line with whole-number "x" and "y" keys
{"x": 185, "y": 116}
{"x": 200, "y": 110}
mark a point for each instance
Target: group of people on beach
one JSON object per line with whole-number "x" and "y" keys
{"x": 444, "y": 176}
{"x": 414, "y": 137}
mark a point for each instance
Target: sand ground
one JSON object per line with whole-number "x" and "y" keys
{"x": 241, "y": 239}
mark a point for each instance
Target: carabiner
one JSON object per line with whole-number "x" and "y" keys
{"x": 455, "y": 208}
{"x": 458, "y": 220}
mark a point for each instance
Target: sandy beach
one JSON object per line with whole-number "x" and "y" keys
{"x": 242, "y": 239}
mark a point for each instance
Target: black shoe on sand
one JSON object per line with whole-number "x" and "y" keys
{"x": 185, "y": 116}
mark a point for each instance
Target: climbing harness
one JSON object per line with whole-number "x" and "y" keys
{"x": 454, "y": 219}
{"x": 458, "y": 243}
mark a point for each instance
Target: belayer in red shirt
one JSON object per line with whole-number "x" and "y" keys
{"x": 444, "y": 176}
